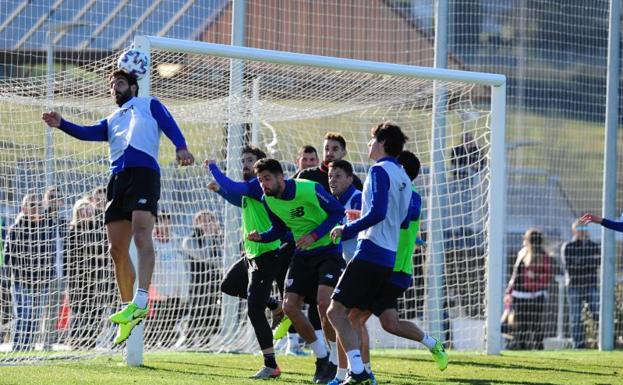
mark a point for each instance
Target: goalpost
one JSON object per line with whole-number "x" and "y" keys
{"x": 280, "y": 101}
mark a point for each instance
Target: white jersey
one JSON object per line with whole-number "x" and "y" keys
{"x": 349, "y": 246}
{"x": 385, "y": 233}
{"x": 135, "y": 114}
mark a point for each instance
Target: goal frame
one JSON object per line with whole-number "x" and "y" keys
{"x": 497, "y": 191}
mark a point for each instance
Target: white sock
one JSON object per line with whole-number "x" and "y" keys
{"x": 320, "y": 336}
{"x": 333, "y": 352}
{"x": 293, "y": 341}
{"x": 319, "y": 348}
{"x": 140, "y": 298}
{"x": 367, "y": 367}
{"x": 341, "y": 374}
{"x": 429, "y": 342}
{"x": 354, "y": 361}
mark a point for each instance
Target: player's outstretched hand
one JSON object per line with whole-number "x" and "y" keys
{"x": 52, "y": 119}
{"x": 586, "y": 218}
{"x": 213, "y": 186}
{"x": 184, "y": 157}
{"x": 336, "y": 233}
{"x": 254, "y": 236}
{"x": 208, "y": 162}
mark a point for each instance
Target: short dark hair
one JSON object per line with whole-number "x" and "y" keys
{"x": 337, "y": 137}
{"x": 410, "y": 163}
{"x": 344, "y": 165}
{"x": 267, "y": 164}
{"x": 132, "y": 80}
{"x": 308, "y": 149}
{"x": 251, "y": 149}
{"x": 392, "y": 136}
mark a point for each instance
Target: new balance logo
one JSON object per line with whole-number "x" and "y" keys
{"x": 297, "y": 212}
{"x": 330, "y": 276}
{"x": 142, "y": 201}
{"x": 289, "y": 282}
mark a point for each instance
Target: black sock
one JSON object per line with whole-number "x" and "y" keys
{"x": 269, "y": 360}
{"x": 272, "y": 303}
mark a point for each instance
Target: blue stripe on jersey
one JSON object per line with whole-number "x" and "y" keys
{"x": 612, "y": 225}
{"x": 371, "y": 252}
{"x": 400, "y": 279}
{"x": 95, "y": 133}
{"x": 167, "y": 124}
{"x": 133, "y": 158}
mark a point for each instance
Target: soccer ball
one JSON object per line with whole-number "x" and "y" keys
{"x": 134, "y": 62}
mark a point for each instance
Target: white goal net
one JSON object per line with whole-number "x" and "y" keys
{"x": 58, "y": 284}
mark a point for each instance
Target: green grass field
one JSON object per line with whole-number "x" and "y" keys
{"x": 391, "y": 367}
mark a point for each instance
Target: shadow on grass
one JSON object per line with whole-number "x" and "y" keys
{"x": 502, "y": 366}
{"x": 292, "y": 376}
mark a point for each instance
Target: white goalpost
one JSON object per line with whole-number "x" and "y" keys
{"x": 283, "y": 101}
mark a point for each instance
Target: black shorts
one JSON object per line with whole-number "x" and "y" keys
{"x": 133, "y": 189}
{"x": 361, "y": 284}
{"x": 388, "y": 299}
{"x": 307, "y": 272}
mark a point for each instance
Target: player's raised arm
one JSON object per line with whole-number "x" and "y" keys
{"x": 170, "y": 128}
{"x": 95, "y": 133}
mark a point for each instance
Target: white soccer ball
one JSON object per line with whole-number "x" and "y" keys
{"x": 134, "y": 62}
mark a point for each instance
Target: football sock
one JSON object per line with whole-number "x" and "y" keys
{"x": 354, "y": 361}
{"x": 319, "y": 348}
{"x": 341, "y": 374}
{"x": 269, "y": 360}
{"x": 293, "y": 341}
{"x": 140, "y": 298}
{"x": 429, "y": 342}
{"x": 333, "y": 352}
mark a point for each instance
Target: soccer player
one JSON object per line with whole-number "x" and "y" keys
{"x": 386, "y": 306}
{"x": 309, "y": 212}
{"x": 386, "y": 199}
{"x": 307, "y": 158}
{"x": 341, "y": 180}
{"x": 133, "y": 134}
{"x": 343, "y": 189}
{"x": 264, "y": 260}
{"x": 334, "y": 149}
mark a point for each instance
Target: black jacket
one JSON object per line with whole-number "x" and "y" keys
{"x": 320, "y": 175}
{"x": 29, "y": 252}
{"x": 581, "y": 259}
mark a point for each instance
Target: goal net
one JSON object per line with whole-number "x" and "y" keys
{"x": 58, "y": 285}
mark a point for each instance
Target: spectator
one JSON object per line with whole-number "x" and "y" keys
{"x": 31, "y": 265}
{"x": 203, "y": 248}
{"x": 169, "y": 291}
{"x": 527, "y": 291}
{"x": 580, "y": 259}
{"x": 334, "y": 149}
{"x": 466, "y": 158}
{"x": 56, "y": 226}
{"x": 98, "y": 199}
{"x": 89, "y": 273}
{"x": 307, "y": 158}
